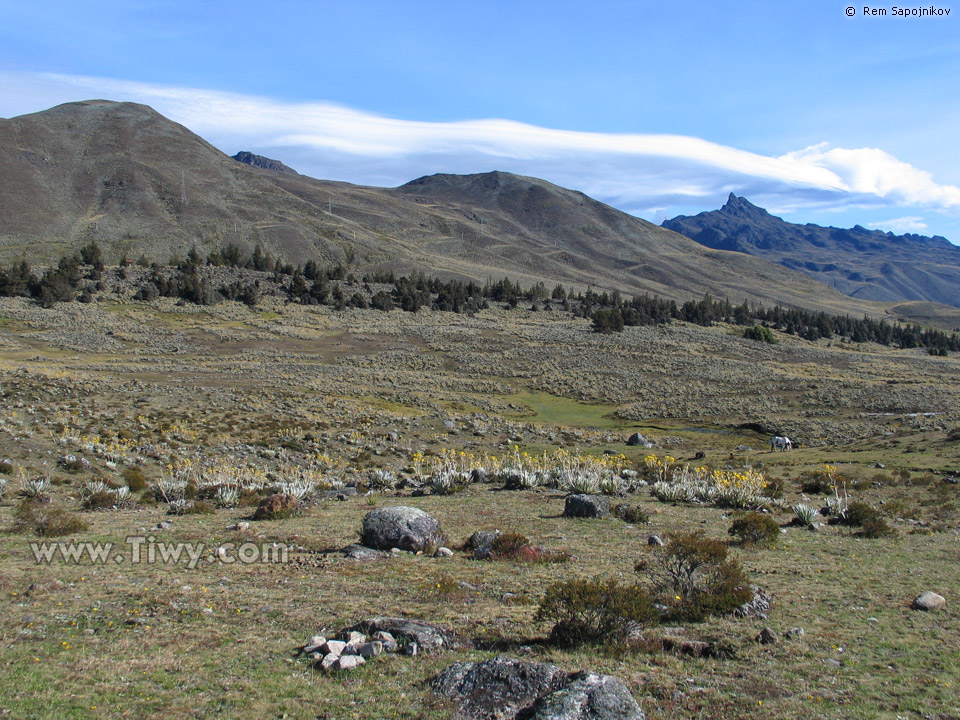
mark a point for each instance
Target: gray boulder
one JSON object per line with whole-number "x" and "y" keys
{"x": 429, "y": 638}
{"x": 638, "y": 440}
{"x": 496, "y": 689}
{"x": 405, "y": 528}
{"x": 587, "y": 506}
{"x": 588, "y": 696}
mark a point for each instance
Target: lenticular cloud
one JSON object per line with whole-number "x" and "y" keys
{"x": 635, "y": 172}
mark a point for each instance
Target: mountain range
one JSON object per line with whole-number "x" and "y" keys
{"x": 867, "y": 264}
{"x": 138, "y": 183}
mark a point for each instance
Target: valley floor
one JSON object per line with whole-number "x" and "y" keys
{"x": 102, "y": 389}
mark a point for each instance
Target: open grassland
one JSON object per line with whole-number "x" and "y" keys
{"x": 130, "y": 393}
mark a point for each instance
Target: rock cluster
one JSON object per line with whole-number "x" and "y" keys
{"x": 353, "y": 646}
{"x": 504, "y": 689}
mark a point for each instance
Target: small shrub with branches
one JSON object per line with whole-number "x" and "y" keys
{"x": 694, "y": 578}
{"x": 595, "y": 611}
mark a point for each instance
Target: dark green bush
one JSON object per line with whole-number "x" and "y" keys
{"x": 45, "y": 521}
{"x": 595, "y": 611}
{"x": 876, "y": 528}
{"x": 199, "y": 507}
{"x": 633, "y": 514}
{"x": 135, "y": 479}
{"x": 693, "y": 577}
{"x": 755, "y": 528}
{"x": 858, "y": 513}
{"x": 99, "y": 501}
{"x": 761, "y": 334}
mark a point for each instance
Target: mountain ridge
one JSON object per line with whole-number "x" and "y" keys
{"x": 137, "y": 183}
{"x": 868, "y": 264}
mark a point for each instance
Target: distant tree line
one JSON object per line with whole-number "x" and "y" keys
{"x": 76, "y": 276}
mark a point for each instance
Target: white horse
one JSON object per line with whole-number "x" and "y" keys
{"x": 781, "y": 443}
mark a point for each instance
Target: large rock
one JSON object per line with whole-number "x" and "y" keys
{"x": 587, "y": 506}
{"x": 496, "y": 689}
{"x": 638, "y": 440}
{"x": 928, "y": 601}
{"x": 507, "y": 689}
{"x": 428, "y": 637}
{"x": 405, "y": 528}
{"x": 588, "y": 696}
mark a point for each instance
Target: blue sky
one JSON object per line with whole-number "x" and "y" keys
{"x": 658, "y": 108}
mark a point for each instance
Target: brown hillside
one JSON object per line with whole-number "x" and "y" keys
{"x": 138, "y": 183}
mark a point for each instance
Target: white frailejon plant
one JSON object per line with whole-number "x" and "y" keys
{"x": 381, "y": 479}
{"x": 178, "y": 507}
{"x": 122, "y": 493}
{"x": 169, "y": 489}
{"x": 612, "y": 485}
{"x": 670, "y": 492}
{"x": 805, "y": 514}
{"x": 35, "y": 487}
{"x": 3, "y": 486}
{"x": 228, "y": 496}
{"x": 299, "y": 490}
{"x": 95, "y": 487}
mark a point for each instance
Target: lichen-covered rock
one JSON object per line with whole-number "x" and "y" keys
{"x": 587, "y": 696}
{"x": 401, "y": 527}
{"x": 496, "y": 689}
{"x": 587, "y": 506}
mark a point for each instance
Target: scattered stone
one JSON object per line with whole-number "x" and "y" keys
{"x": 362, "y": 552}
{"x": 404, "y": 528}
{"x": 767, "y": 636}
{"x": 348, "y": 662}
{"x": 314, "y": 644}
{"x": 796, "y": 633}
{"x": 328, "y": 661}
{"x": 352, "y": 637}
{"x": 333, "y": 647}
{"x": 370, "y": 649}
{"x": 411, "y": 649}
{"x": 586, "y": 506}
{"x": 835, "y": 663}
{"x": 928, "y": 601}
{"x": 443, "y": 552}
{"x": 655, "y": 540}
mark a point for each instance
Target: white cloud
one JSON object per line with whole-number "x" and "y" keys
{"x": 910, "y": 224}
{"x": 636, "y": 172}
